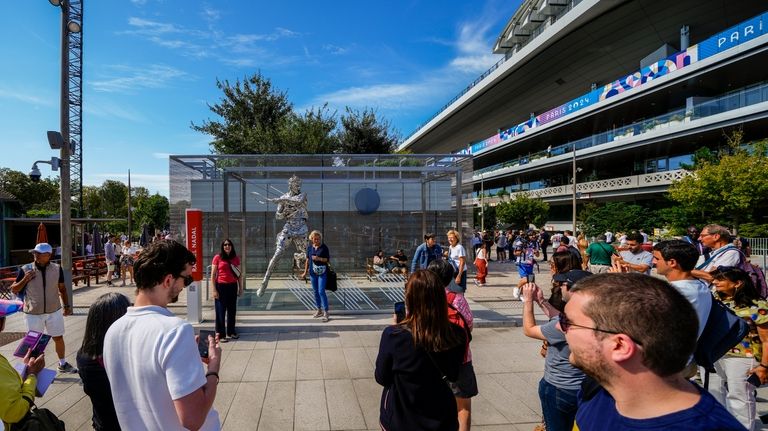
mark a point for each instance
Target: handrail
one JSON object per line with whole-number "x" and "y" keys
{"x": 733, "y": 100}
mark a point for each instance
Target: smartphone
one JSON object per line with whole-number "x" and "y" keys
{"x": 202, "y": 343}
{"x": 400, "y": 311}
{"x": 33, "y": 340}
{"x": 754, "y": 380}
{"x": 530, "y": 278}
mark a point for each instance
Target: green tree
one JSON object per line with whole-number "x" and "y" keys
{"x": 41, "y": 196}
{"x": 732, "y": 189}
{"x": 616, "y": 217}
{"x": 311, "y": 133}
{"x": 253, "y": 113}
{"x": 522, "y": 211}
{"x": 152, "y": 210}
{"x": 362, "y": 132}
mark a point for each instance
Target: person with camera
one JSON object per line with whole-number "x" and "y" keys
{"x": 559, "y": 387}
{"x": 151, "y": 356}
{"x": 417, "y": 358}
{"x": 17, "y": 394}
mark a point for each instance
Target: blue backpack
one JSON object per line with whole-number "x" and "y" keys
{"x": 723, "y": 330}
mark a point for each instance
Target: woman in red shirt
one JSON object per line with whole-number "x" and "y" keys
{"x": 225, "y": 279}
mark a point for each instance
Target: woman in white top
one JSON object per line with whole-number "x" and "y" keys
{"x": 127, "y": 257}
{"x": 458, "y": 258}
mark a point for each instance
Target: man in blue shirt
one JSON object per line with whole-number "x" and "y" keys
{"x": 634, "y": 334}
{"x": 426, "y": 252}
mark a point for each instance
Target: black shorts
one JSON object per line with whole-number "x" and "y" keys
{"x": 467, "y": 382}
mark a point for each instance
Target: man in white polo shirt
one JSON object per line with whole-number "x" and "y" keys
{"x": 158, "y": 379}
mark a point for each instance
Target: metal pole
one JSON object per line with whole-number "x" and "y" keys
{"x": 482, "y": 204}
{"x": 573, "y": 180}
{"x": 65, "y": 208}
{"x": 130, "y": 224}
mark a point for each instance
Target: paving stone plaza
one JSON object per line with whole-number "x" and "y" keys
{"x": 291, "y": 372}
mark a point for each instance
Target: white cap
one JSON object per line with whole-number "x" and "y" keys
{"x": 43, "y": 247}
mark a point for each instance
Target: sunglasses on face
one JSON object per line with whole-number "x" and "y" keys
{"x": 566, "y": 325}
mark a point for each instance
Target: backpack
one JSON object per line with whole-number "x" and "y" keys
{"x": 723, "y": 330}
{"x": 38, "y": 420}
{"x": 755, "y": 272}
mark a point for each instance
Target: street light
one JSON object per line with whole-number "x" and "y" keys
{"x": 61, "y": 141}
{"x": 573, "y": 180}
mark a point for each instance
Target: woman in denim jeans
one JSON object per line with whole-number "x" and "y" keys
{"x": 317, "y": 267}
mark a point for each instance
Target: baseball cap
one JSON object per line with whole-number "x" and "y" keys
{"x": 571, "y": 277}
{"x": 43, "y": 247}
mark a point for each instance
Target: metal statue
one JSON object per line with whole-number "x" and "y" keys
{"x": 291, "y": 207}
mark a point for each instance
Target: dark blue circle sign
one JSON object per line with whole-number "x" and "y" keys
{"x": 367, "y": 201}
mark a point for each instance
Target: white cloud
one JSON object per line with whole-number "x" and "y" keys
{"x": 109, "y": 109}
{"x": 335, "y": 50}
{"x": 126, "y": 79}
{"x": 24, "y": 97}
{"x": 385, "y": 96}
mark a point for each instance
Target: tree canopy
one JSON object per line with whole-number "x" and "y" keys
{"x": 110, "y": 200}
{"x": 522, "y": 211}
{"x": 731, "y": 188}
{"x": 254, "y": 117}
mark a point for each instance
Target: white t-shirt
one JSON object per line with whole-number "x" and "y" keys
{"x": 727, "y": 255}
{"x": 454, "y": 255}
{"x": 697, "y": 293}
{"x": 151, "y": 359}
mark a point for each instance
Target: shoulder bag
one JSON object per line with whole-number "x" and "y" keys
{"x": 331, "y": 281}
{"x": 38, "y": 420}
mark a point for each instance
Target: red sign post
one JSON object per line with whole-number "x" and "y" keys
{"x": 195, "y": 240}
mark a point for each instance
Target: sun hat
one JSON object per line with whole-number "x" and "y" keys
{"x": 43, "y": 247}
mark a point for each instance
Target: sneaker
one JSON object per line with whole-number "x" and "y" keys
{"x": 67, "y": 368}
{"x": 234, "y": 336}
{"x": 325, "y": 316}
{"x": 477, "y": 283}
{"x": 318, "y": 313}
{"x": 223, "y": 340}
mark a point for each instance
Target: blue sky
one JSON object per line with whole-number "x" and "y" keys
{"x": 150, "y": 67}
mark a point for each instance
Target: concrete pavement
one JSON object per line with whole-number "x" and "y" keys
{"x": 290, "y": 372}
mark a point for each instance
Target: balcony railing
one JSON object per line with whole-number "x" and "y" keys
{"x": 738, "y": 99}
{"x": 631, "y": 183}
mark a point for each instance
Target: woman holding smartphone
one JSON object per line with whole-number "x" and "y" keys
{"x": 227, "y": 286}
{"x": 415, "y": 356}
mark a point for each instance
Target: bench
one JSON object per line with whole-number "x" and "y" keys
{"x": 94, "y": 267}
{"x": 7, "y": 278}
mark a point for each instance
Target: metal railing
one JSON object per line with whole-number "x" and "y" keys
{"x": 741, "y": 98}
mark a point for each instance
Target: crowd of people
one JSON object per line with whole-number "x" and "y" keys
{"x": 617, "y": 343}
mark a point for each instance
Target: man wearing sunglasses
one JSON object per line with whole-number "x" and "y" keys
{"x": 634, "y": 335}
{"x": 152, "y": 359}
{"x": 724, "y": 253}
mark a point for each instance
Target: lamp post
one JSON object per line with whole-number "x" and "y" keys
{"x": 67, "y": 26}
{"x": 573, "y": 180}
{"x": 482, "y": 205}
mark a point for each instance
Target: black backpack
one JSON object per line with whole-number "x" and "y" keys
{"x": 723, "y": 330}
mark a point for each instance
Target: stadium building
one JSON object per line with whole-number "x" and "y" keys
{"x": 618, "y": 94}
